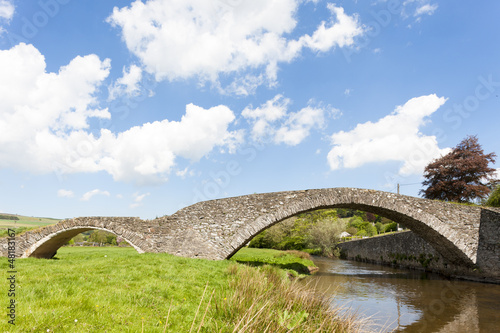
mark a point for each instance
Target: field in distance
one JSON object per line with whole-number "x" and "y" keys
{"x": 17, "y": 221}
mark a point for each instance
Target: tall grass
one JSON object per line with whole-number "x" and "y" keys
{"x": 263, "y": 300}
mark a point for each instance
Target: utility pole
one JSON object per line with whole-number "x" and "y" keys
{"x": 397, "y": 225}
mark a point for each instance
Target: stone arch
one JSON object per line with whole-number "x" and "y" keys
{"x": 428, "y": 219}
{"x": 44, "y": 242}
{"x": 47, "y": 246}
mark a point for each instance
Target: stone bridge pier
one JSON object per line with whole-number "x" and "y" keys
{"x": 465, "y": 236}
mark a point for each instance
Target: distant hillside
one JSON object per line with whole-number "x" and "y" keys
{"x": 17, "y": 221}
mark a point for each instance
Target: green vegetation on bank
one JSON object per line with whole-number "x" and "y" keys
{"x": 319, "y": 231}
{"x": 115, "y": 289}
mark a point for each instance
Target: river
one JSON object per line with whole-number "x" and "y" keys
{"x": 397, "y": 300}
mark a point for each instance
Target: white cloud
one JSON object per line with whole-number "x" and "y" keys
{"x": 7, "y": 9}
{"x": 65, "y": 193}
{"x": 182, "y": 173}
{"x": 39, "y": 108}
{"x": 298, "y": 125}
{"x": 87, "y": 196}
{"x": 128, "y": 84}
{"x": 138, "y": 199}
{"x": 207, "y": 40}
{"x": 44, "y": 117}
{"x": 272, "y": 121}
{"x": 395, "y": 137}
{"x": 417, "y": 8}
{"x": 426, "y": 9}
{"x": 147, "y": 153}
{"x": 262, "y": 117}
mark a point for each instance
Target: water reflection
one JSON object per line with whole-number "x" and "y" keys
{"x": 409, "y": 301}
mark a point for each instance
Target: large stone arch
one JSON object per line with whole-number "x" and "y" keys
{"x": 440, "y": 224}
{"x": 44, "y": 242}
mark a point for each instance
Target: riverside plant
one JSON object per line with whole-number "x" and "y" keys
{"x": 264, "y": 300}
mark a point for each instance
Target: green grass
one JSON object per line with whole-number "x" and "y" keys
{"x": 119, "y": 290}
{"x": 294, "y": 261}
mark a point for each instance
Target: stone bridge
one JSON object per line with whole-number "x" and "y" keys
{"x": 466, "y": 236}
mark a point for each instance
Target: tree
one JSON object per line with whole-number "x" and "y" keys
{"x": 98, "y": 236}
{"x": 325, "y": 234}
{"x": 494, "y": 198}
{"x": 462, "y": 175}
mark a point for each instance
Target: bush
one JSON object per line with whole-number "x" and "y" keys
{"x": 352, "y": 230}
{"x": 393, "y": 226}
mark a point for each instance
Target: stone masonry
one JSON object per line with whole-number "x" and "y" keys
{"x": 464, "y": 235}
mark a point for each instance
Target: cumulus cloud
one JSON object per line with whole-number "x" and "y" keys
{"x": 395, "y": 137}
{"x": 65, "y": 193}
{"x": 263, "y": 117}
{"x": 207, "y": 40}
{"x": 128, "y": 84}
{"x": 298, "y": 125}
{"x": 44, "y": 119}
{"x": 39, "y": 108}
{"x": 87, "y": 196}
{"x": 272, "y": 121}
{"x": 7, "y": 9}
{"x": 149, "y": 151}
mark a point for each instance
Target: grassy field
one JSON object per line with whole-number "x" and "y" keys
{"x": 119, "y": 290}
{"x": 23, "y": 223}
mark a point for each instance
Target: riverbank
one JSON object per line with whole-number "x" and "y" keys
{"x": 294, "y": 262}
{"x": 119, "y": 290}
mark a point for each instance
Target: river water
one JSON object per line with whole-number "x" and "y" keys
{"x": 397, "y": 300}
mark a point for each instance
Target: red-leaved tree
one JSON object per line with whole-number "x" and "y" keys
{"x": 462, "y": 175}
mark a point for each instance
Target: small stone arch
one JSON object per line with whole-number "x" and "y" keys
{"x": 47, "y": 246}
{"x": 44, "y": 242}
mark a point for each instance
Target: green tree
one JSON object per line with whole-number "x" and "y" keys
{"x": 98, "y": 236}
{"x": 325, "y": 234}
{"x": 494, "y": 198}
{"x": 461, "y": 175}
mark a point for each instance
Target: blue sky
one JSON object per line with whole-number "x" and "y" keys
{"x": 130, "y": 108}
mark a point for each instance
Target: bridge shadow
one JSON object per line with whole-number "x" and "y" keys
{"x": 299, "y": 268}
